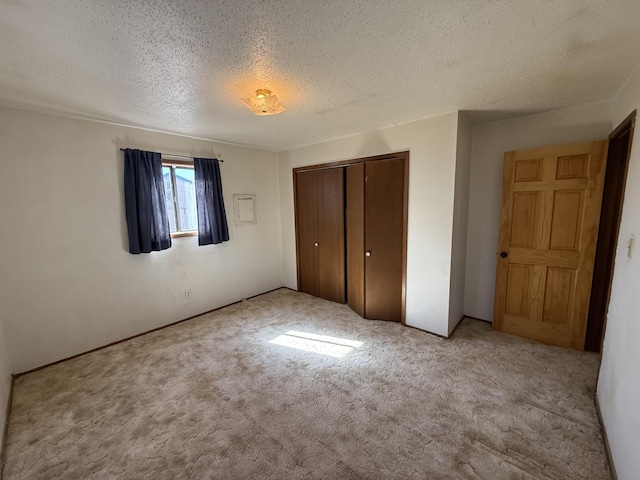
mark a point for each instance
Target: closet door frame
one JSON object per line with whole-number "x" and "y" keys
{"x": 405, "y": 208}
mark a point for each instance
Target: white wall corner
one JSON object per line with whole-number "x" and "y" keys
{"x": 279, "y": 199}
{"x": 460, "y": 220}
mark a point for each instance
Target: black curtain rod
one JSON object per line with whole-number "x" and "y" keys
{"x": 174, "y": 155}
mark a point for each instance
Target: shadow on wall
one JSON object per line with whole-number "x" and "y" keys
{"x": 559, "y": 132}
{"x": 374, "y": 144}
{"x": 486, "y": 116}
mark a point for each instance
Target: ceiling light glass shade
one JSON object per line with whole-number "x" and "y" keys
{"x": 264, "y": 103}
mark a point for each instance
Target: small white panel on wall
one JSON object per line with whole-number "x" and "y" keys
{"x": 244, "y": 207}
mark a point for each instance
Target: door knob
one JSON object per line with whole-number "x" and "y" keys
{"x": 367, "y": 254}
{"x": 504, "y": 254}
{"x": 315, "y": 244}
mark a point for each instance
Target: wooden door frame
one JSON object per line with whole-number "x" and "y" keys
{"x": 608, "y": 234}
{"x": 405, "y": 209}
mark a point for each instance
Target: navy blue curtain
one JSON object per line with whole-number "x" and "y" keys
{"x": 212, "y": 219}
{"x": 147, "y": 219}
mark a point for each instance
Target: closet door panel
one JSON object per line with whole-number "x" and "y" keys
{"x": 331, "y": 251}
{"x": 355, "y": 238}
{"x": 307, "y": 225}
{"x": 384, "y": 201}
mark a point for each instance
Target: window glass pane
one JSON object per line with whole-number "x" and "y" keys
{"x": 186, "y": 193}
{"x": 168, "y": 197}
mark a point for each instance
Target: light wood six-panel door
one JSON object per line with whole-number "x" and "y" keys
{"x": 547, "y": 241}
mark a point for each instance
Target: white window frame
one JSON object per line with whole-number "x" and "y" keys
{"x": 173, "y": 164}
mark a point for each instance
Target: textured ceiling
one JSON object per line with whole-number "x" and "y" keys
{"x": 340, "y": 67}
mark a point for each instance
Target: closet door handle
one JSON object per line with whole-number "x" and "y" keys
{"x": 315, "y": 244}
{"x": 367, "y": 253}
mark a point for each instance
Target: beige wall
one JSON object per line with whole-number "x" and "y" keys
{"x": 432, "y": 146}
{"x": 68, "y": 283}
{"x": 460, "y": 222}
{"x": 490, "y": 142}
{"x": 619, "y": 380}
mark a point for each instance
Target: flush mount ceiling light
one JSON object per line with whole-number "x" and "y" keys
{"x": 264, "y": 103}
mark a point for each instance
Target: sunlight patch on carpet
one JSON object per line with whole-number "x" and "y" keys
{"x": 322, "y": 344}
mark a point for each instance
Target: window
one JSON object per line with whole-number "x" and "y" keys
{"x": 180, "y": 197}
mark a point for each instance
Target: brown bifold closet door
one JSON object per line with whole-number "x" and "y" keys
{"x": 384, "y": 238}
{"x": 320, "y": 225}
{"x": 331, "y": 251}
{"x": 351, "y": 233}
{"x": 307, "y": 227}
{"x": 375, "y": 238}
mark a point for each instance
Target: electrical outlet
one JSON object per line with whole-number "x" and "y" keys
{"x": 187, "y": 294}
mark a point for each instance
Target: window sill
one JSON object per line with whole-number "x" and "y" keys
{"x": 184, "y": 234}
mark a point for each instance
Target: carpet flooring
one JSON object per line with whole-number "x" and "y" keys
{"x": 288, "y": 386}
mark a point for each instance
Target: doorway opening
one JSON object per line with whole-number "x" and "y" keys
{"x": 614, "y": 185}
